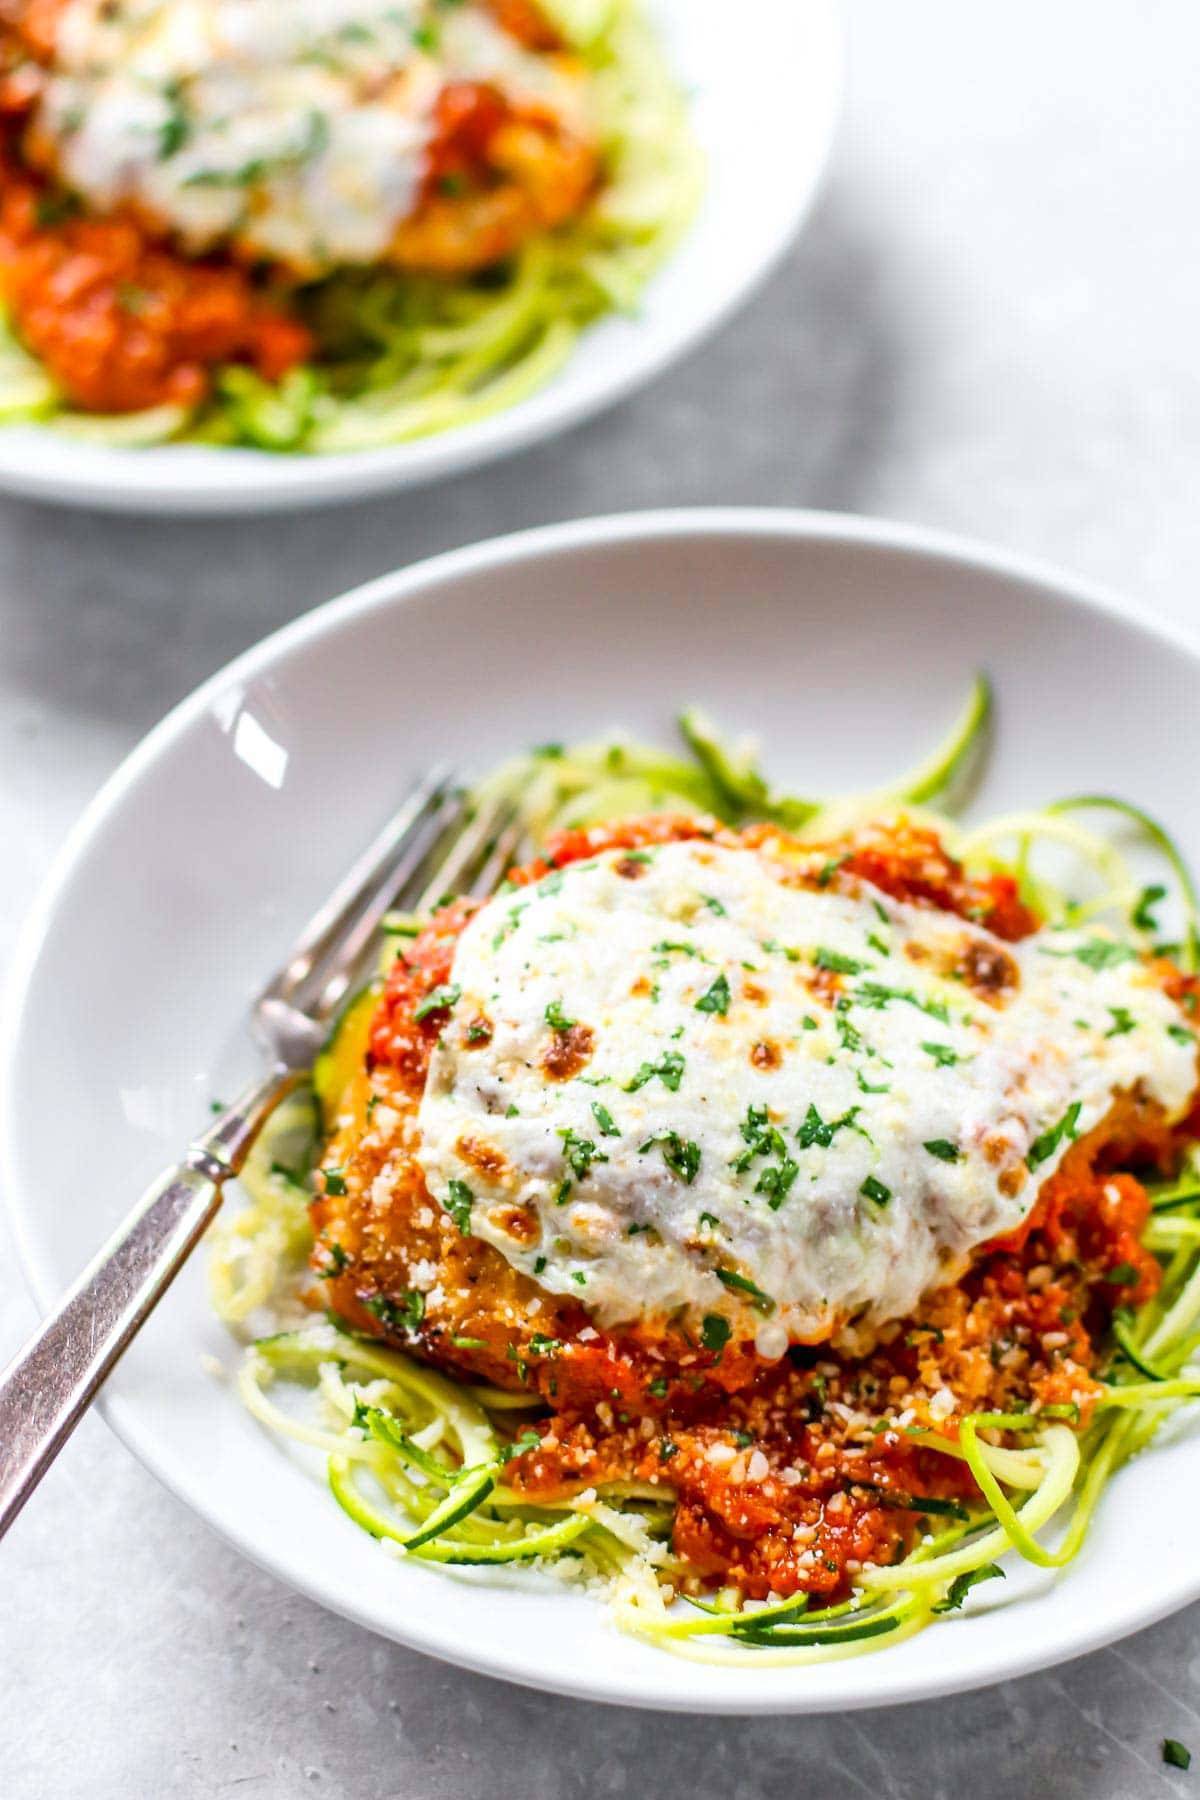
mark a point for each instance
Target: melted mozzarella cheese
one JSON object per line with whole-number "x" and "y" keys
{"x": 794, "y": 1111}
{"x": 298, "y": 127}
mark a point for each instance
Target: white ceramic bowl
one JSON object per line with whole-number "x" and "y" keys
{"x": 764, "y": 98}
{"x": 848, "y": 647}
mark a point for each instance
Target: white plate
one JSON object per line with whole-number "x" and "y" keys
{"x": 848, "y": 647}
{"x": 764, "y": 95}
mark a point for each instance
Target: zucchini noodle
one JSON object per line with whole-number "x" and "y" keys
{"x": 418, "y": 1460}
{"x": 404, "y": 356}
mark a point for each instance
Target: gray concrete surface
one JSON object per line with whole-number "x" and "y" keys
{"x": 990, "y": 326}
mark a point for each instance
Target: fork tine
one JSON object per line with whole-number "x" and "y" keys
{"x": 389, "y": 859}
{"x": 459, "y": 871}
{"x": 502, "y": 857}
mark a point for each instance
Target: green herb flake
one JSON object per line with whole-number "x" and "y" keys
{"x": 714, "y": 1333}
{"x": 1142, "y": 915}
{"x": 836, "y": 964}
{"x": 458, "y": 1204}
{"x": 716, "y": 999}
{"x": 943, "y": 1149}
{"x": 681, "y": 1155}
{"x": 604, "y": 1119}
{"x": 669, "y": 1070}
{"x": 556, "y": 1018}
{"x": 1042, "y": 1148}
{"x": 875, "y": 995}
{"x": 943, "y": 1055}
{"x": 1097, "y": 953}
{"x": 335, "y": 1181}
{"x": 579, "y": 1153}
{"x": 1123, "y": 1021}
{"x": 437, "y": 999}
{"x": 1175, "y": 1754}
{"x": 876, "y": 1191}
{"x": 730, "y": 1278}
{"x": 1122, "y": 1275}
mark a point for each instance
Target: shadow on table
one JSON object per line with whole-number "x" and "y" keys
{"x": 795, "y": 402}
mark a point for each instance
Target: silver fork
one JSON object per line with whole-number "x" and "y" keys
{"x": 432, "y": 845}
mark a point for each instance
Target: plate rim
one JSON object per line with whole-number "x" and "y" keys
{"x": 396, "y": 589}
{"x": 256, "y": 483}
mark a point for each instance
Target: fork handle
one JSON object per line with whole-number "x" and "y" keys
{"x": 50, "y": 1384}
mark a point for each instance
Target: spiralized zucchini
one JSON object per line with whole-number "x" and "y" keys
{"x": 418, "y": 1460}
{"x": 405, "y": 356}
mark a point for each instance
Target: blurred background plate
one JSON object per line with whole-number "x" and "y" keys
{"x": 764, "y": 80}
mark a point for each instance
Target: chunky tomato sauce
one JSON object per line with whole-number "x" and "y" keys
{"x": 122, "y": 322}
{"x": 786, "y": 1475}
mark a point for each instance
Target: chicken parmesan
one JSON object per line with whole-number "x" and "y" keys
{"x": 762, "y": 1169}
{"x": 189, "y": 185}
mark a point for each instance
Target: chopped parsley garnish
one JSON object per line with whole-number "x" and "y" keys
{"x": 669, "y": 1069}
{"x": 876, "y": 1191}
{"x": 943, "y": 1149}
{"x": 870, "y": 1087}
{"x": 1123, "y": 1275}
{"x": 681, "y": 1155}
{"x": 1123, "y": 1021}
{"x": 579, "y": 1152}
{"x": 816, "y": 1130}
{"x": 447, "y": 994}
{"x": 731, "y": 1279}
{"x": 541, "y": 1345}
{"x": 335, "y": 1181}
{"x": 764, "y": 1139}
{"x": 875, "y": 995}
{"x": 604, "y": 1119}
{"x": 528, "y": 1440}
{"x": 404, "y": 1315}
{"x": 777, "y": 949}
{"x": 943, "y": 1054}
{"x": 716, "y": 1000}
{"x": 1142, "y": 915}
{"x": 458, "y": 1204}
{"x": 1181, "y": 1034}
{"x": 714, "y": 905}
{"x": 1175, "y": 1754}
{"x": 837, "y": 964}
{"x": 665, "y": 946}
{"x": 962, "y": 1584}
{"x": 714, "y": 1332}
{"x": 709, "y": 1219}
{"x": 556, "y": 1018}
{"x": 809, "y": 1023}
{"x": 775, "y": 1181}
{"x": 511, "y": 1111}
{"x": 1042, "y": 1148}
{"x": 338, "y": 1261}
{"x": 1097, "y": 953}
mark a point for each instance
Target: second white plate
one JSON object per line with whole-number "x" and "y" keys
{"x": 764, "y": 84}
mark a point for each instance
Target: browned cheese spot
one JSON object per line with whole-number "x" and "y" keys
{"x": 569, "y": 1052}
